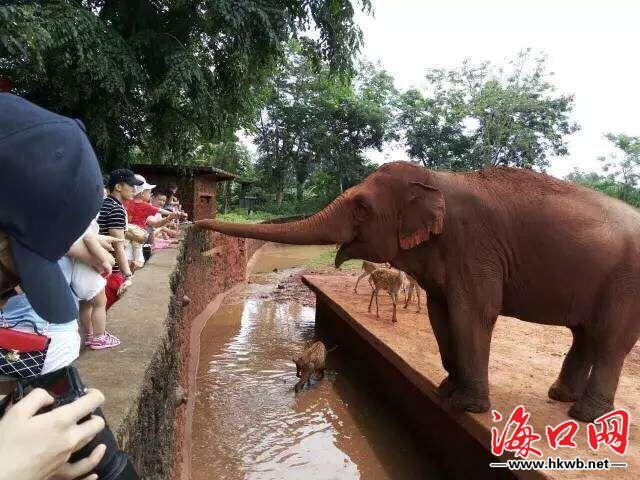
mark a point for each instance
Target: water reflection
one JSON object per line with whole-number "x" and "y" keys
{"x": 249, "y": 424}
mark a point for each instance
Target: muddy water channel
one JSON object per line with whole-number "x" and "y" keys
{"x": 248, "y": 424}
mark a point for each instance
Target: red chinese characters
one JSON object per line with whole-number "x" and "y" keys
{"x": 567, "y": 429}
{"x": 516, "y": 437}
{"x": 613, "y": 431}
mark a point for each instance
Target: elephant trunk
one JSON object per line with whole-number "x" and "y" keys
{"x": 329, "y": 226}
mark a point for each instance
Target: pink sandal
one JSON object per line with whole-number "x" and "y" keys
{"x": 107, "y": 340}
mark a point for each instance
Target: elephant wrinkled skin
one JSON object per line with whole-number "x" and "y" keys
{"x": 498, "y": 241}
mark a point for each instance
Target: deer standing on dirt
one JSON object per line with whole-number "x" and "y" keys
{"x": 411, "y": 287}
{"x": 367, "y": 269}
{"x": 389, "y": 280}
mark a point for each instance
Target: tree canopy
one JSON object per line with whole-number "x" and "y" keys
{"x": 316, "y": 127}
{"x": 164, "y": 75}
{"x": 481, "y": 115}
{"x": 622, "y": 170}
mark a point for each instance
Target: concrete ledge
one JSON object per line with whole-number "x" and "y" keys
{"x": 138, "y": 319}
{"x": 126, "y": 373}
{"x": 405, "y": 365}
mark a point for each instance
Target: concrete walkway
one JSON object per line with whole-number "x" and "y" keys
{"x": 137, "y": 319}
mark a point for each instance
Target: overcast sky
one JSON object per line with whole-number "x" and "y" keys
{"x": 593, "y": 49}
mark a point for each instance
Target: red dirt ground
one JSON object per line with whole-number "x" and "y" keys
{"x": 525, "y": 360}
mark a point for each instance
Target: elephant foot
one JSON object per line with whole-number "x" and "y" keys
{"x": 446, "y": 387}
{"x": 564, "y": 393}
{"x": 469, "y": 402}
{"x": 588, "y": 408}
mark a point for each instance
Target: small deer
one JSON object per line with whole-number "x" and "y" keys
{"x": 367, "y": 269}
{"x": 411, "y": 287}
{"x": 311, "y": 361}
{"x": 389, "y": 280}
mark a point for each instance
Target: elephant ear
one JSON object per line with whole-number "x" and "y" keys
{"x": 422, "y": 215}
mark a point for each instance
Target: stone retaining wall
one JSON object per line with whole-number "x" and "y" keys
{"x": 210, "y": 263}
{"x": 146, "y": 379}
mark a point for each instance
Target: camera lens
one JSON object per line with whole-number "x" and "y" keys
{"x": 115, "y": 464}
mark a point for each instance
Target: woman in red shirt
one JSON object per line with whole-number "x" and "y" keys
{"x": 141, "y": 213}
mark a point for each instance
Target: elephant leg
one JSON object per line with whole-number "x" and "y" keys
{"x": 609, "y": 351}
{"x": 377, "y": 311}
{"x": 614, "y": 332}
{"x": 439, "y": 319}
{"x": 418, "y": 295}
{"x": 574, "y": 374}
{"x": 597, "y": 398}
{"x": 471, "y": 330}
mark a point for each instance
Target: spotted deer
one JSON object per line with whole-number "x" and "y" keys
{"x": 390, "y": 280}
{"x": 367, "y": 269}
{"x": 411, "y": 287}
{"x": 311, "y": 361}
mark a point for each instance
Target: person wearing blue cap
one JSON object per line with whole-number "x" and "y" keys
{"x": 49, "y": 156}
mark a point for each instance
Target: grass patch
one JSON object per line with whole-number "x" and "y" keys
{"x": 240, "y": 216}
{"x": 327, "y": 258}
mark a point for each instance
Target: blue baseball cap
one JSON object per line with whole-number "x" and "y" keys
{"x": 50, "y": 190}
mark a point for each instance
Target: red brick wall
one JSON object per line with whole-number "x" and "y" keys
{"x": 204, "y": 197}
{"x": 185, "y": 187}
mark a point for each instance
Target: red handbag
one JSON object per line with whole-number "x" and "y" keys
{"x": 22, "y": 354}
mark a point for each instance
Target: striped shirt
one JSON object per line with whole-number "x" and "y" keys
{"x": 112, "y": 215}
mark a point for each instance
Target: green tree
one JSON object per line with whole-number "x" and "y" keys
{"x": 624, "y": 169}
{"x": 434, "y": 130}
{"x": 315, "y": 121}
{"x": 164, "y": 75}
{"x": 480, "y": 115}
{"x": 606, "y": 184}
{"x": 232, "y": 157}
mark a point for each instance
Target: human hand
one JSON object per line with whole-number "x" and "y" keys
{"x": 91, "y": 252}
{"x": 35, "y": 446}
{"x": 71, "y": 471}
{"x": 107, "y": 242}
{"x": 123, "y": 288}
{"x": 103, "y": 263}
{"x": 172, "y": 232}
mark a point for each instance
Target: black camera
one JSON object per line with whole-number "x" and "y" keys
{"x": 65, "y": 386}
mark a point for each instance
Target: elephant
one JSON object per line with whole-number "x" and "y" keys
{"x": 498, "y": 241}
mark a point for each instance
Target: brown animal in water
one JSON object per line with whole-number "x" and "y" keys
{"x": 390, "y": 280}
{"x": 311, "y": 361}
{"x": 499, "y": 241}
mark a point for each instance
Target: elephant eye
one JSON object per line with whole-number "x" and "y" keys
{"x": 361, "y": 210}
